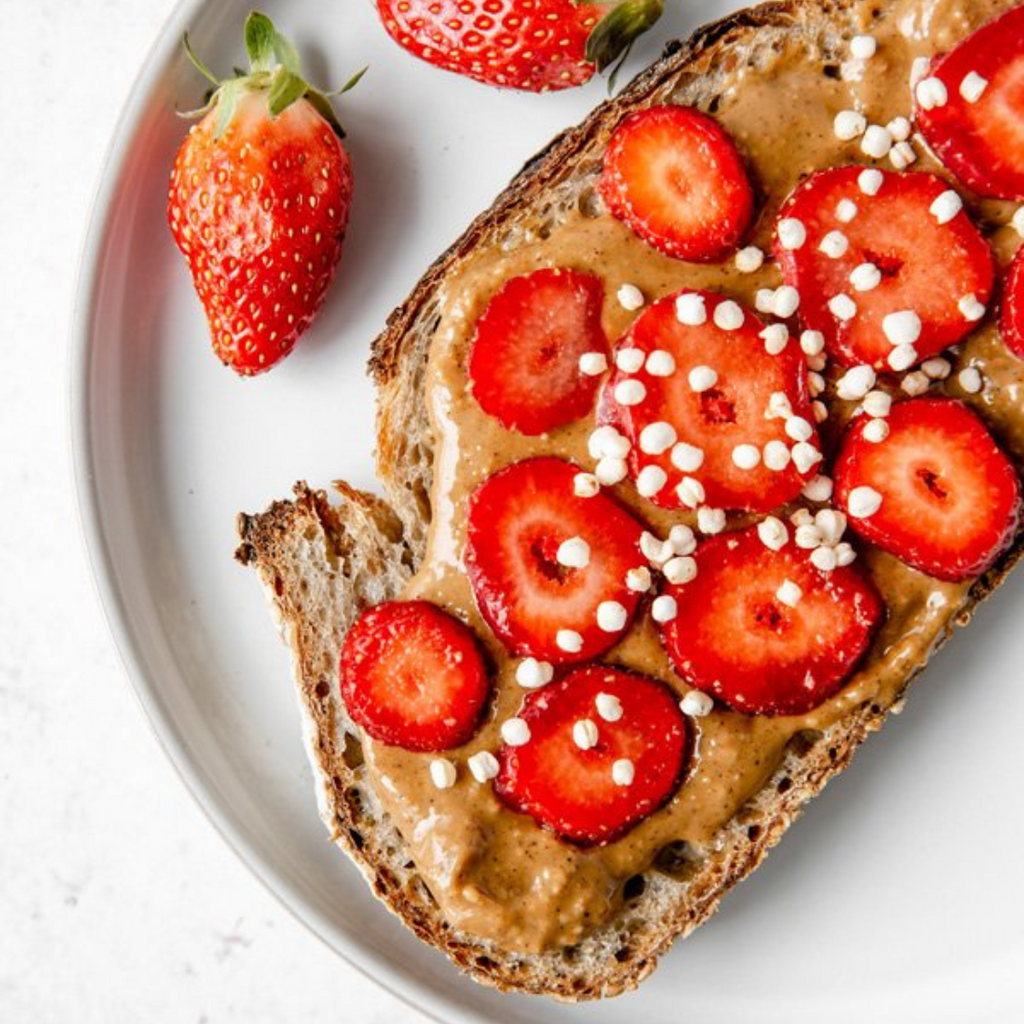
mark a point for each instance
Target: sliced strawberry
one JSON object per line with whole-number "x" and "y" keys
{"x": 737, "y": 638}
{"x": 674, "y": 176}
{"x": 950, "y": 498}
{"x": 925, "y": 268}
{"x": 978, "y": 132}
{"x": 577, "y": 792}
{"x": 736, "y": 410}
{"x": 525, "y": 361}
{"x": 518, "y": 521}
{"x": 1012, "y": 320}
{"x": 413, "y": 677}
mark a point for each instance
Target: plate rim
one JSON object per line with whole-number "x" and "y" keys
{"x": 378, "y": 970}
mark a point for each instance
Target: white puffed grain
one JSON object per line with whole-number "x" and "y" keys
{"x": 629, "y": 359}
{"x": 687, "y": 458}
{"x": 834, "y": 245}
{"x": 749, "y": 259}
{"x": 773, "y": 532}
{"x": 876, "y": 142}
{"x": 611, "y": 616}
{"x": 690, "y": 309}
{"x": 442, "y": 773}
{"x": 532, "y": 674}
{"x": 710, "y": 520}
{"x": 483, "y": 766}
{"x": 863, "y": 502}
{"x": 515, "y": 732}
{"x": 650, "y": 480}
{"x": 657, "y": 437}
{"x": 696, "y": 704}
{"x": 728, "y": 316}
{"x": 593, "y": 364}
{"x": 970, "y": 380}
{"x": 630, "y": 297}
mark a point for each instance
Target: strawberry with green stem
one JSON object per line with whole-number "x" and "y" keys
{"x": 259, "y": 201}
{"x": 534, "y": 45}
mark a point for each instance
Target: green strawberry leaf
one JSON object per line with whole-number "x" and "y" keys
{"x": 227, "y": 98}
{"x": 322, "y": 105}
{"x": 613, "y": 36}
{"x": 196, "y": 62}
{"x": 285, "y": 88}
{"x": 260, "y": 36}
{"x": 350, "y": 84}
{"x": 286, "y": 54}
{"x": 275, "y": 70}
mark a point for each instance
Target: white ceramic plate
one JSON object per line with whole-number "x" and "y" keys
{"x": 896, "y": 899}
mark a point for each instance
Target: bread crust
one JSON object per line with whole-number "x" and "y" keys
{"x": 309, "y": 547}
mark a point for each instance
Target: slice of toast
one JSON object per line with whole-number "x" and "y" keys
{"x": 323, "y": 561}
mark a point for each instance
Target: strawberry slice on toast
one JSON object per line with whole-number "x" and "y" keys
{"x": 588, "y": 778}
{"x": 675, "y": 177}
{"x": 938, "y": 492}
{"x": 713, "y": 418}
{"x": 524, "y": 365}
{"x": 765, "y": 630}
{"x": 970, "y": 108}
{"x": 1011, "y": 322}
{"x": 890, "y": 268}
{"x": 412, "y": 676}
{"x": 547, "y": 566}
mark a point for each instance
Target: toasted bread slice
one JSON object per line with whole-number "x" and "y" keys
{"x": 323, "y": 561}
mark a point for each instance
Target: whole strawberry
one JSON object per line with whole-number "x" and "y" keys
{"x": 259, "y": 202}
{"x": 537, "y": 45}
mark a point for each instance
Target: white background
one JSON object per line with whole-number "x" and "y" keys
{"x": 118, "y": 901}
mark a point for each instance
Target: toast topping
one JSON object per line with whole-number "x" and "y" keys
{"x": 766, "y": 631}
{"x": 863, "y": 47}
{"x": 483, "y": 766}
{"x": 937, "y": 492}
{"x": 443, "y": 773}
{"x": 1011, "y": 322}
{"x": 412, "y": 677}
{"x": 518, "y": 522}
{"x": 675, "y": 177}
{"x": 970, "y": 380}
{"x": 532, "y": 674}
{"x": 630, "y": 297}
{"x": 888, "y": 293}
{"x": 970, "y": 108}
{"x": 538, "y": 349}
{"x": 765, "y": 618}
{"x": 617, "y": 773}
{"x": 696, "y": 437}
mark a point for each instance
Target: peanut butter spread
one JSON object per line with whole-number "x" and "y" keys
{"x": 495, "y": 874}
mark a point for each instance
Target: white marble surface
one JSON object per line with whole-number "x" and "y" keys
{"x": 118, "y": 901}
